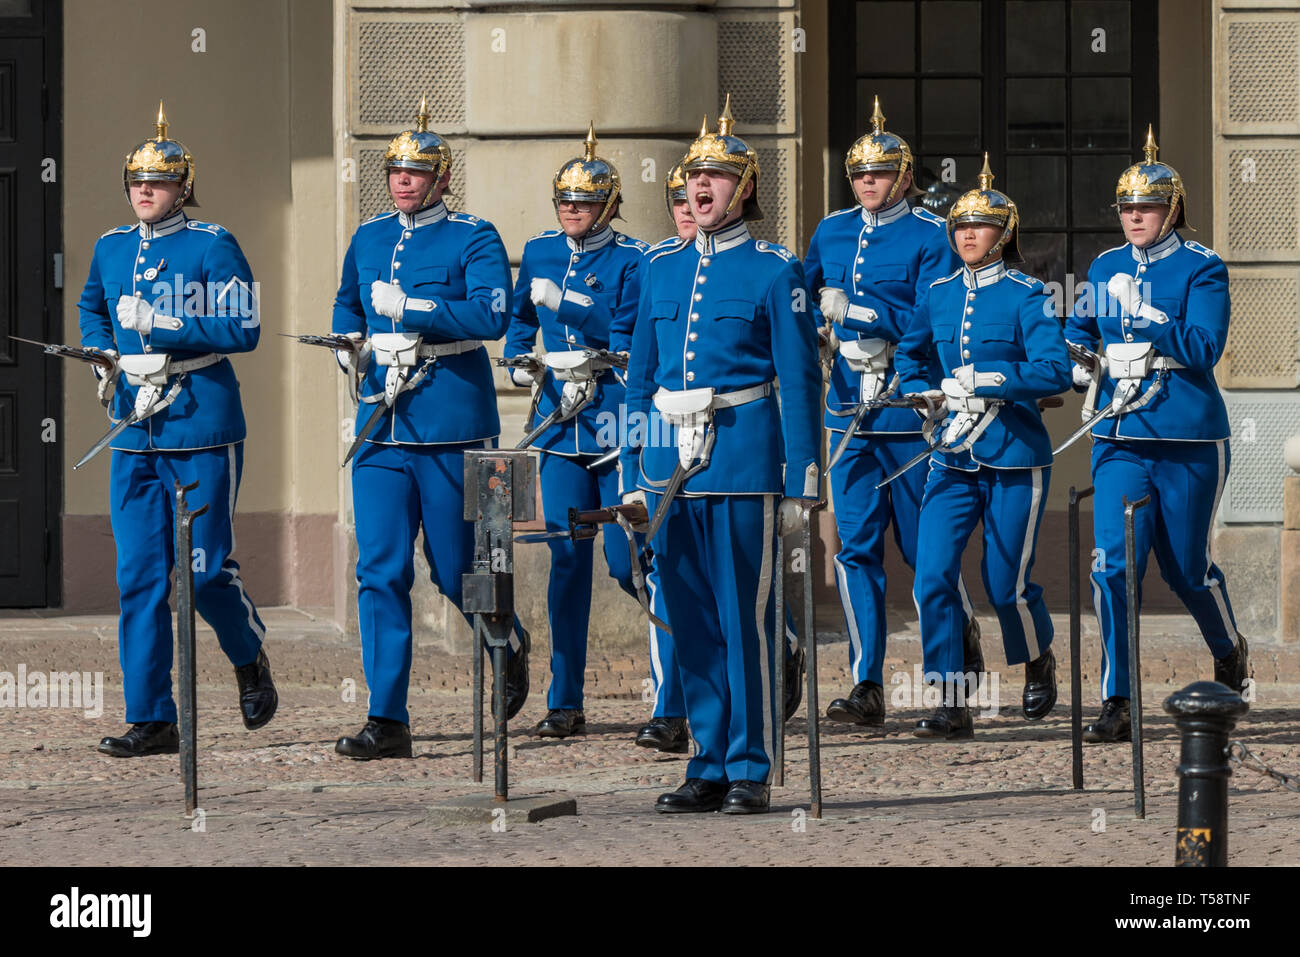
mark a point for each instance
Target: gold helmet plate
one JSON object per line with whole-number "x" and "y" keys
{"x": 161, "y": 159}
{"x": 1152, "y": 181}
{"x": 589, "y": 179}
{"x": 881, "y": 151}
{"x": 727, "y": 153}
{"x": 990, "y": 207}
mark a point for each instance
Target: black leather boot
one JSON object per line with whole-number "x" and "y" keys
{"x": 665, "y": 734}
{"x": 562, "y": 722}
{"x": 1039, "y": 696}
{"x": 144, "y": 737}
{"x": 696, "y": 795}
{"x": 1115, "y": 723}
{"x": 378, "y": 739}
{"x": 257, "y": 696}
{"x": 865, "y": 705}
{"x": 517, "y": 676}
{"x": 746, "y": 797}
{"x": 1234, "y": 669}
{"x": 795, "y": 668}
{"x": 947, "y": 724}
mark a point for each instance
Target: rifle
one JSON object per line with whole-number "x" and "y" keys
{"x": 95, "y": 357}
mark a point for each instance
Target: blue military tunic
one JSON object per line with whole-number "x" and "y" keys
{"x": 1174, "y": 448}
{"x": 409, "y": 476}
{"x": 884, "y": 262}
{"x": 598, "y": 280}
{"x": 200, "y": 286}
{"x": 1002, "y": 323}
{"x": 457, "y": 262}
{"x": 724, "y": 313}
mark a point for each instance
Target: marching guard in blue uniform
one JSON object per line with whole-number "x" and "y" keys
{"x": 718, "y": 321}
{"x": 868, "y": 265}
{"x": 422, "y": 287}
{"x": 992, "y": 332}
{"x": 579, "y": 285}
{"x": 1159, "y": 304}
{"x": 169, "y": 298}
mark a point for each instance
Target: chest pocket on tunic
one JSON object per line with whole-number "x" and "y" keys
{"x": 886, "y": 273}
{"x": 733, "y": 323}
{"x": 426, "y": 276}
{"x": 997, "y": 331}
{"x": 833, "y": 272}
{"x": 366, "y": 275}
{"x": 945, "y": 332}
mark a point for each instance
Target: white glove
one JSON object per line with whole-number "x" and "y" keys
{"x": 387, "y": 299}
{"x": 135, "y": 314}
{"x": 965, "y": 376}
{"x": 1082, "y": 377}
{"x": 354, "y": 362}
{"x": 522, "y": 378}
{"x": 634, "y": 497}
{"x": 545, "y": 293}
{"x": 106, "y": 379}
{"x": 834, "y": 303}
{"x": 789, "y": 516}
{"x": 1123, "y": 288}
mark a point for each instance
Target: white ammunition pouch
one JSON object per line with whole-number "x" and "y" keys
{"x": 400, "y": 352}
{"x": 972, "y": 415}
{"x": 691, "y": 411}
{"x": 577, "y": 371}
{"x": 149, "y": 373}
{"x": 870, "y": 359}
{"x": 1128, "y": 363}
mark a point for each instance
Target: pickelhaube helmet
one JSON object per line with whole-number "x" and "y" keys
{"x": 419, "y": 149}
{"x": 881, "y": 150}
{"x": 988, "y": 206}
{"x": 675, "y": 187}
{"x": 1154, "y": 182}
{"x": 729, "y": 154}
{"x": 161, "y": 160}
{"x": 588, "y": 179}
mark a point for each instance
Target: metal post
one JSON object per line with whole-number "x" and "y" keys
{"x": 499, "y": 491}
{"x": 1134, "y": 652}
{"x": 1205, "y": 712}
{"x": 778, "y": 582}
{"x": 186, "y": 667}
{"x": 810, "y": 649}
{"x": 1076, "y": 629}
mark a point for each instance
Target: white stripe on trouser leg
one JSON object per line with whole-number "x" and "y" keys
{"x": 1031, "y": 527}
{"x": 855, "y": 639}
{"x": 1216, "y": 586}
{"x": 967, "y": 608}
{"x": 229, "y": 568}
{"x": 656, "y": 662}
{"x": 760, "y": 616}
{"x": 1105, "y": 658}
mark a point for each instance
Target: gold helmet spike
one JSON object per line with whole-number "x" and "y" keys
{"x": 704, "y": 127}
{"x": 422, "y": 115}
{"x": 1153, "y": 181}
{"x": 726, "y": 122}
{"x": 161, "y": 159}
{"x": 589, "y": 144}
{"x": 986, "y": 206}
{"x": 880, "y": 151}
{"x": 726, "y": 152}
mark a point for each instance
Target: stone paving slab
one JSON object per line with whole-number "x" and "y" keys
{"x": 281, "y": 795}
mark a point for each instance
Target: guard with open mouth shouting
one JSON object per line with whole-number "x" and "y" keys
{"x": 720, "y": 319}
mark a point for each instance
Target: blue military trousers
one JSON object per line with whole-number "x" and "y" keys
{"x": 715, "y": 556}
{"x": 1184, "y": 480}
{"x": 1010, "y": 503}
{"x": 143, "y": 510}
{"x": 863, "y": 515}
{"x": 396, "y": 491}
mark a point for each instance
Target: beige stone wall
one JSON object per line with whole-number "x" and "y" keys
{"x": 254, "y": 109}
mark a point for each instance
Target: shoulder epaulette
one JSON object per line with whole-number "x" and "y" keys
{"x": 1113, "y": 249}
{"x": 544, "y": 234}
{"x": 629, "y": 241}
{"x": 464, "y": 218}
{"x": 120, "y": 230}
{"x": 667, "y": 249}
{"x": 944, "y": 279}
{"x": 925, "y": 216}
{"x": 214, "y": 228}
{"x": 665, "y": 243}
{"x": 1023, "y": 278}
{"x": 1196, "y": 247}
{"x": 763, "y": 246}
{"x": 841, "y": 212}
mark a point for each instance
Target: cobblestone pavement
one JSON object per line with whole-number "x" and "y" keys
{"x": 281, "y": 796}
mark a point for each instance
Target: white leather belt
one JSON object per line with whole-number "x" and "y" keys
{"x": 157, "y": 367}
{"x": 436, "y": 350}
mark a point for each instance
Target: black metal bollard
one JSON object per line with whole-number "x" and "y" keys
{"x": 499, "y": 491}
{"x": 185, "y": 663}
{"x": 1134, "y": 652}
{"x": 1205, "y": 713}
{"x": 1076, "y": 631}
